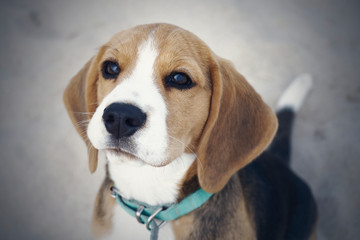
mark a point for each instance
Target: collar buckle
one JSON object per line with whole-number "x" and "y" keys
{"x": 150, "y": 219}
{"x": 138, "y": 214}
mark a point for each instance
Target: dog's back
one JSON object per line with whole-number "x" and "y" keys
{"x": 282, "y": 204}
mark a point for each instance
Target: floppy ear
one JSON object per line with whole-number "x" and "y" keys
{"x": 239, "y": 127}
{"x": 80, "y": 100}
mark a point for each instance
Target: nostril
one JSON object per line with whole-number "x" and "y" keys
{"x": 109, "y": 118}
{"x": 133, "y": 122}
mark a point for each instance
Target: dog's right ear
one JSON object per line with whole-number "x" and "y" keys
{"x": 80, "y": 98}
{"x": 239, "y": 128}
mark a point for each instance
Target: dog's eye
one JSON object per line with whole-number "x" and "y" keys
{"x": 110, "y": 70}
{"x": 179, "y": 80}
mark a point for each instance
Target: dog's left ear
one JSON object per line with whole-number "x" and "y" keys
{"x": 80, "y": 98}
{"x": 239, "y": 127}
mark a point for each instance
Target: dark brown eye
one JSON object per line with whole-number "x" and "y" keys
{"x": 110, "y": 70}
{"x": 179, "y": 80}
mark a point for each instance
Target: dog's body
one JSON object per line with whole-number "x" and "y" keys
{"x": 172, "y": 117}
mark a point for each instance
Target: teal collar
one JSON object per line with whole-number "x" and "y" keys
{"x": 156, "y": 216}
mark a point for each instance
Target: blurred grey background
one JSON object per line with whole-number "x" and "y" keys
{"x": 46, "y": 190}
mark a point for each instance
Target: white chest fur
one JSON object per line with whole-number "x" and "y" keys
{"x": 142, "y": 182}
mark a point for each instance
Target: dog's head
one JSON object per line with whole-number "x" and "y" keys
{"x": 154, "y": 92}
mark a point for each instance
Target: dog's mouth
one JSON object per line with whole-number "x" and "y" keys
{"x": 127, "y": 150}
{"x": 120, "y": 147}
{"x": 120, "y": 152}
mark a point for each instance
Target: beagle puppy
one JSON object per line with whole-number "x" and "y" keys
{"x": 172, "y": 117}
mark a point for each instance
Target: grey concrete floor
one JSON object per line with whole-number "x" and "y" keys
{"x": 46, "y": 191}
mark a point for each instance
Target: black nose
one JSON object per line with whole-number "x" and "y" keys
{"x": 123, "y": 120}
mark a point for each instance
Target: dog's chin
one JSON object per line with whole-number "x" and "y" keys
{"x": 121, "y": 154}
{"x": 124, "y": 155}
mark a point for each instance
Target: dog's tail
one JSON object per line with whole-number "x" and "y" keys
{"x": 286, "y": 109}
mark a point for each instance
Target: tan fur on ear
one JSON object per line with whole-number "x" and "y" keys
{"x": 239, "y": 127}
{"x": 80, "y": 101}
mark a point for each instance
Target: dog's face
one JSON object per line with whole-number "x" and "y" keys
{"x": 155, "y": 92}
{"x": 154, "y": 96}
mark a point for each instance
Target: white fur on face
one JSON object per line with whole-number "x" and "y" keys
{"x": 150, "y": 142}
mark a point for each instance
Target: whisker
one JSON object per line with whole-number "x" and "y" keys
{"x": 83, "y": 123}
{"x": 83, "y": 134}
{"x": 89, "y": 145}
{"x": 188, "y": 148}
{"x": 85, "y": 113}
{"x": 95, "y": 103}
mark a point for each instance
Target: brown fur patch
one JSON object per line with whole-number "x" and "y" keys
{"x": 103, "y": 209}
{"x": 183, "y": 226}
{"x": 224, "y": 216}
{"x": 181, "y": 51}
{"x": 239, "y": 128}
